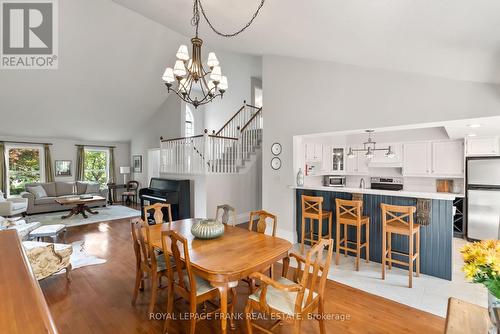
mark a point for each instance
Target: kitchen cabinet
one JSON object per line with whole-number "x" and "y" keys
{"x": 314, "y": 152}
{"x": 434, "y": 159}
{"x": 448, "y": 158}
{"x": 482, "y": 146}
{"x": 416, "y": 159}
{"x": 357, "y": 165}
{"x": 336, "y": 160}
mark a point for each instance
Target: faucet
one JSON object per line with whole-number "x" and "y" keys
{"x": 362, "y": 183}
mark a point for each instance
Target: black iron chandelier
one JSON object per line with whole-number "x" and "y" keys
{"x": 188, "y": 79}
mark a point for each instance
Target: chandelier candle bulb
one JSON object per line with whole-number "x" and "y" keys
{"x": 182, "y": 53}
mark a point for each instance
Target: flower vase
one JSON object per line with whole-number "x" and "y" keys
{"x": 300, "y": 178}
{"x": 494, "y": 312}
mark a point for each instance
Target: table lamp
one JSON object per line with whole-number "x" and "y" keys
{"x": 124, "y": 171}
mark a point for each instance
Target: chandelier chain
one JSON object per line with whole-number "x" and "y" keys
{"x": 196, "y": 19}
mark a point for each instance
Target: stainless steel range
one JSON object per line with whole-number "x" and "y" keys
{"x": 387, "y": 183}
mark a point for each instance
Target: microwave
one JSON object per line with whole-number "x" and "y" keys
{"x": 334, "y": 181}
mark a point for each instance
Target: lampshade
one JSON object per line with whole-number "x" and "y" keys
{"x": 369, "y": 154}
{"x": 223, "y": 83}
{"x": 182, "y": 53}
{"x": 216, "y": 74}
{"x": 350, "y": 154}
{"x": 212, "y": 60}
{"x": 179, "y": 69}
{"x": 168, "y": 76}
{"x": 124, "y": 170}
{"x": 390, "y": 153}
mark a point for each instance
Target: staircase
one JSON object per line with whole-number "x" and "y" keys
{"x": 223, "y": 152}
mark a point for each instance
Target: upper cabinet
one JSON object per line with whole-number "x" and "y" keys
{"x": 482, "y": 146}
{"x": 337, "y": 160}
{"x": 314, "y": 152}
{"x": 434, "y": 159}
{"x": 448, "y": 158}
{"x": 416, "y": 159}
{"x": 357, "y": 165}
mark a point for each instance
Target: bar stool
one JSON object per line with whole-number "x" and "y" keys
{"x": 312, "y": 208}
{"x": 349, "y": 214}
{"x": 399, "y": 220}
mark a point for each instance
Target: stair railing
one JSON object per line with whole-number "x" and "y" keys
{"x": 238, "y": 120}
{"x": 250, "y": 136}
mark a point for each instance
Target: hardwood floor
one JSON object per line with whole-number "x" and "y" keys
{"x": 98, "y": 299}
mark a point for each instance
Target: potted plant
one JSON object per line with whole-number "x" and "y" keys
{"x": 482, "y": 265}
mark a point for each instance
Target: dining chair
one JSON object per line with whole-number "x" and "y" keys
{"x": 223, "y": 214}
{"x": 148, "y": 263}
{"x": 349, "y": 214}
{"x": 132, "y": 188}
{"x": 159, "y": 212}
{"x": 186, "y": 284}
{"x": 399, "y": 220}
{"x": 312, "y": 209}
{"x": 263, "y": 218}
{"x": 297, "y": 298}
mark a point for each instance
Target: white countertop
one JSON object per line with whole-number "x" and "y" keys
{"x": 401, "y": 193}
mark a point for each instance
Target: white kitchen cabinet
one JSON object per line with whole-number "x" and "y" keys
{"x": 314, "y": 152}
{"x": 357, "y": 165}
{"x": 448, "y": 158}
{"x": 416, "y": 159}
{"x": 482, "y": 146}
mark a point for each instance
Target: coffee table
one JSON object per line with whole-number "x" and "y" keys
{"x": 80, "y": 205}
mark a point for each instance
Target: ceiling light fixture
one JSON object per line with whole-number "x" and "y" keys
{"x": 370, "y": 146}
{"x": 195, "y": 85}
{"x": 474, "y": 125}
{"x": 471, "y": 135}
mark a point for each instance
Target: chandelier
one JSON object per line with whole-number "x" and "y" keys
{"x": 370, "y": 146}
{"x": 188, "y": 79}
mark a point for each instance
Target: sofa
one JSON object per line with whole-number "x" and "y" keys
{"x": 42, "y": 196}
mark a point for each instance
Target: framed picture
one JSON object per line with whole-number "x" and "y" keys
{"x": 63, "y": 167}
{"x": 137, "y": 163}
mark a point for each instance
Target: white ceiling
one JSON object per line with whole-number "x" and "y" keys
{"x": 456, "y": 39}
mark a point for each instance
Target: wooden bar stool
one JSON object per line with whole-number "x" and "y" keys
{"x": 399, "y": 220}
{"x": 349, "y": 214}
{"x": 312, "y": 209}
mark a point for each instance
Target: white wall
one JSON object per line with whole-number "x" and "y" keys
{"x": 304, "y": 97}
{"x": 239, "y": 69}
{"x": 165, "y": 122}
{"x": 65, "y": 149}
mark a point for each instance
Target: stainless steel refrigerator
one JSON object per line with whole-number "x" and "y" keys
{"x": 483, "y": 198}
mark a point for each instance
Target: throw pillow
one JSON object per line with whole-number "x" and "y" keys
{"x": 93, "y": 188}
{"x": 2, "y": 198}
{"x": 37, "y": 191}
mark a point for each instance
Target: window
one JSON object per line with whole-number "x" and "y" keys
{"x": 189, "y": 123}
{"x": 24, "y": 165}
{"x": 96, "y": 166}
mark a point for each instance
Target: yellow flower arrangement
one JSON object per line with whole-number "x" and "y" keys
{"x": 482, "y": 264}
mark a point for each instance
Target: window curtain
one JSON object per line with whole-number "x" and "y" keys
{"x": 49, "y": 171}
{"x": 112, "y": 169}
{"x": 80, "y": 163}
{"x": 3, "y": 169}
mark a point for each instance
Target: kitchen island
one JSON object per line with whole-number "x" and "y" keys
{"x": 436, "y": 237}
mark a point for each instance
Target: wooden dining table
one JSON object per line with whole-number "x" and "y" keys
{"x": 225, "y": 260}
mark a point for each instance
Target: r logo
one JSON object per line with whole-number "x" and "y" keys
{"x": 27, "y": 28}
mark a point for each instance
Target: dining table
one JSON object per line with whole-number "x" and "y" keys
{"x": 227, "y": 259}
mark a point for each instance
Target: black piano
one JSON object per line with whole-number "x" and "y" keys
{"x": 177, "y": 193}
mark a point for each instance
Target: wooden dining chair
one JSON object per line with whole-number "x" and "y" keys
{"x": 263, "y": 218}
{"x": 223, "y": 214}
{"x": 159, "y": 212}
{"x": 293, "y": 299}
{"x": 312, "y": 209}
{"x": 148, "y": 263}
{"x": 399, "y": 220}
{"x": 349, "y": 214}
{"x": 186, "y": 284}
{"x": 131, "y": 191}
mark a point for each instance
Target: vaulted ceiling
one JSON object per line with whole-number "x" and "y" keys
{"x": 456, "y": 39}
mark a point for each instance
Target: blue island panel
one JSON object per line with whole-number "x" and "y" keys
{"x": 435, "y": 238}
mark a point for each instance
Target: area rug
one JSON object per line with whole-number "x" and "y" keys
{"x": 108, "y": 213}
{"x": 80, "y": 258}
